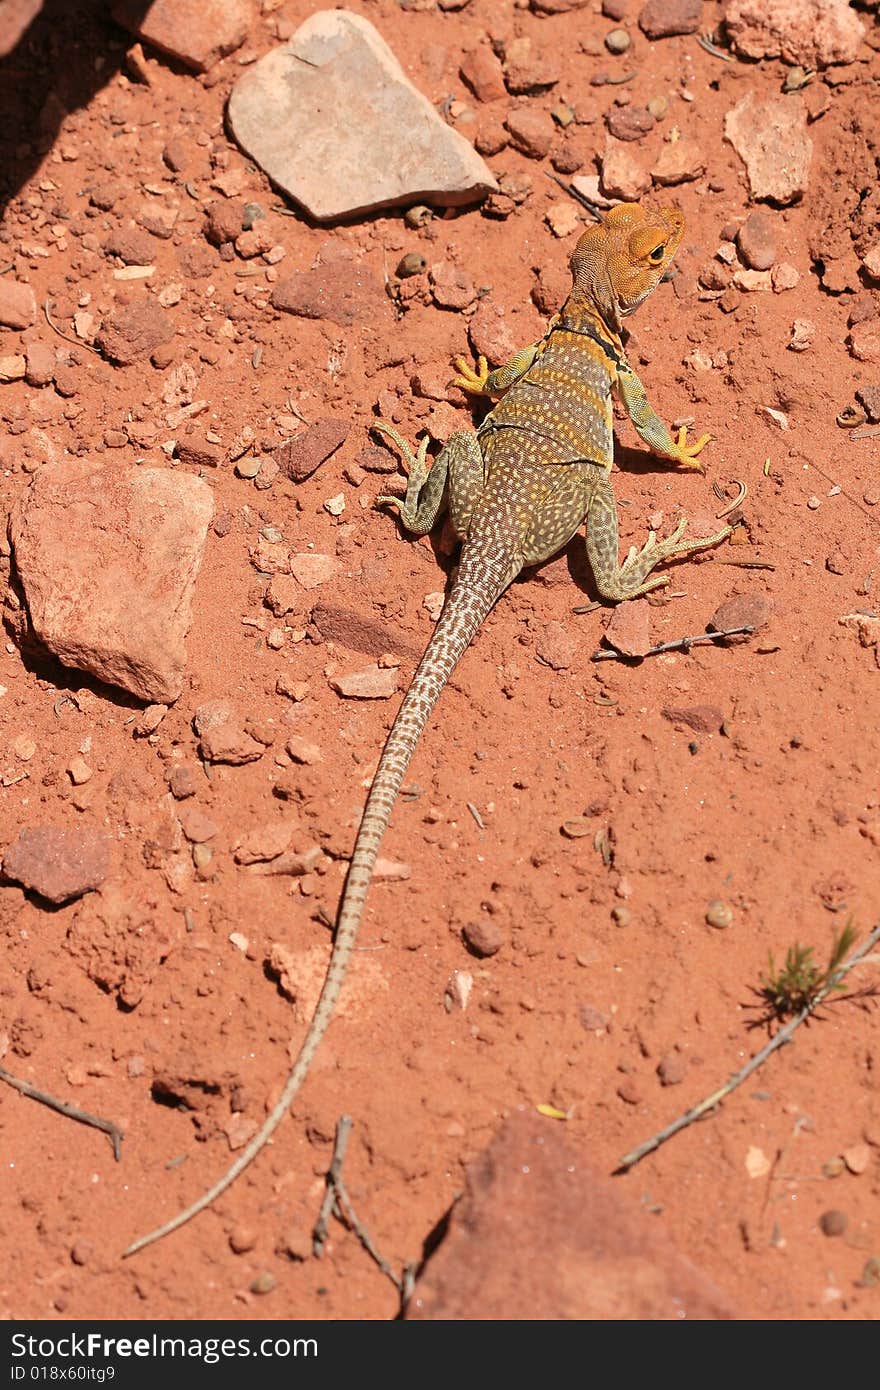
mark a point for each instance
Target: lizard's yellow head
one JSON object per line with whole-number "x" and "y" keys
{"x": 618, "y": 262}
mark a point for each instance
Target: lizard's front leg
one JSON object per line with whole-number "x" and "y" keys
{"x": 455, "y": 478}
{"x": 482, "y": 382}
{"x": 618, "y": 582}
{"x": 651, "y": 428}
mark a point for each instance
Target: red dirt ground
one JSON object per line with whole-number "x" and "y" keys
{"x": 779, "y": 815}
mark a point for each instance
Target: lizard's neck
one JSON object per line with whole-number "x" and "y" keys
{"x": 581, "y": 316}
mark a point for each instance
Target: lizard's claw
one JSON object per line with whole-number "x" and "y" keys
{"x": 474, "y": 382}
{"x": 686, "y": 454}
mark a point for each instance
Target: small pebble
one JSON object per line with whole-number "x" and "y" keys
{"x": 248, "y": 467}
{"x": 833, "y": 1223}
{"x": 617, "y": 41}
{"x": 483, "y": 938}
{"x": 719, "y": 914}
{"x": 413, "y": 263}
{"x": 621, "y": 916}
{"x": 265, "y": 1282}
{"x": 242, "y": 1239}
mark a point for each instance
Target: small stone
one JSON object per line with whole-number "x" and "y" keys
{"x": 302, "y": 751}
{"x": 719, "y": 914}
{"x": 78, "y": 770}
{"x": 784, "y": 277}
{"x": 703, "y": 719}
{"x": 672, "y": 1069}
{"x": 242, "y": 1239}
{"x": 264, "y": 1283}
{"x": 41, "y": 361}
{"x": 629, "y": 628}
{"x": 484, "y": 938}
{"x": 629, "y": 122}
{"x": 617, "y": 41}
{"x": 556, "y": 647}
{"x": 458, "y": 990}
{"x": 622, "y": 175}
{"x": 803, "y": 334}
{"x": 18, "y": 304}
{"x": 391, "y": 870}
{"x": 132, "y": 331}
{"x": 833, "y": 1223}
{"x": 311, "y": 569}
{"x": 857, "y": 1158}
{"x": 335, "y": 506}
{"x": 371, "y": 683}
{"x": 58, "y": 864}
{"x": 302, "y": 456}
{"x": 532, "y": 131}
{"x": 679, "y": 161}
{"x": 228, "y": 743}
{"x": 182, "y": 783}
{"x": 863, "y": 341}
{"x": 661, "y": 19}
{"x": 868, "y": 398}
{"x": 248, "y": 467}
{"x": 198, "y": 34}
{"x": 576, "y": 827}
{"x": 563, "y": 219}
{"x": 413, "y": 263}
{"x": 82, "y": 1252}
{"x": 13, "y": 366}
{"x": 743, "y": 610}
{"x": 835, "y": 563}
{"x": 263, "y": 843}
{"x": 196, "y": 824}
{"x": 756, "y": 241}
{"x": 870, "y": 1275}
{"x": 592, "y": 1019}
{"x": 482, "y": 71}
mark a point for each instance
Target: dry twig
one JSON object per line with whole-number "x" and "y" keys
{"x": 70, "y": 1111}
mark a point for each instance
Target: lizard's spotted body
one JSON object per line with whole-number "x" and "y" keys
{"x": 517, "y": 490}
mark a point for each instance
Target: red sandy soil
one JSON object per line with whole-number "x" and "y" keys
{"x": 620, "y": 1019}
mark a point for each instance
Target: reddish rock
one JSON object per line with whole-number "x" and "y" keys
{"x": 228, "y": 743}
{"x": 703, "y": 719}
{"x": 863, "y": 341}
{"x": 743, "y": 610}
{"x": 41, "y": 362}
{"x": 343, "y": 293}
{"x": 678, "y": 162}
{"x": 556, "y": 647}
{"x": 452, "y": 286}
{"x": 531, "y": 131}
{"x": 198, "y": 32}
{"x": 756, "y": 241}
{"x": 812, "y": 33}
{"x": 622, "y": 175}
{"x": 224, "y": 221}
{"x": 868, "y": 398}
{"x": 358, "y": 632}
{"x": 108, "y": 561}
{"x": 485, "y": 938}
{"x": 629, "y": 122}
{"x": 300, "y": 458}
{"x": 130, "y": 245}
{"x": 541, "y": 1236}
{"x": 372, "y": 683}
{"x": 629, "y": 628}
{"x": 15, "y": 16}
{"x": 58, "y": 864}
{"x": 132, "y": 331}
{"x": 661, "y": 19}
{"x": 311, "y": 569}
{"x": 18, "y": 304}
{"x": 491, "y": 335}
{"x": 770, "y": 137}
{"x": 196, "y": 824}
{"x": 483, "y": 73}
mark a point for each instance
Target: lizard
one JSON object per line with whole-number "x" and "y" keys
{"x": 516, "y": 491}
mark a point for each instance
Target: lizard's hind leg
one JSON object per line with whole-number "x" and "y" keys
{"x": 619, "y": 582}
{"x": 455, "y": 478}
{"x": 425, "y": 487}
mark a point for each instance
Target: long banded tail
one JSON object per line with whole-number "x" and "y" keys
{"x": 479, "y": 584}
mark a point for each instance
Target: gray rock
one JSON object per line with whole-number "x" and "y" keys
{"x": 333, "y": 120}
{"x": 108, "y": 561}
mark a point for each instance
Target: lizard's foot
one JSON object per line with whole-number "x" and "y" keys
{"x": 415, "y": 463}
{"x": 424, "y": 486}
{"x": 474, "y": 382}
{"x": 686, "y": 454}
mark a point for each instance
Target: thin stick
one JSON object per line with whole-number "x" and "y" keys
{"x": 705, "y": 42}
{"x": 71, "y": 1111}
{"x": 337, "y": 1202}
{"x": 746, "y": 564}
{"x": 683, "y": 644}
{"x": 742, "y": 493}
{"x": 780, "y": 1038}
{"x": 68, "y": 337}
{"x": 579, "y": 197}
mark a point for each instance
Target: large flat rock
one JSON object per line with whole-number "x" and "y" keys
{"x": 334, "y": 121}
{"x": 108, "y": 561}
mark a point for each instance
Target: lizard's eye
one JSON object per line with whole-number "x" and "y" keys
{"x": 656, "y": 256}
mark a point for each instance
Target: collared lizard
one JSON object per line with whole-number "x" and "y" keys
{"x": 516, "y": 491}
